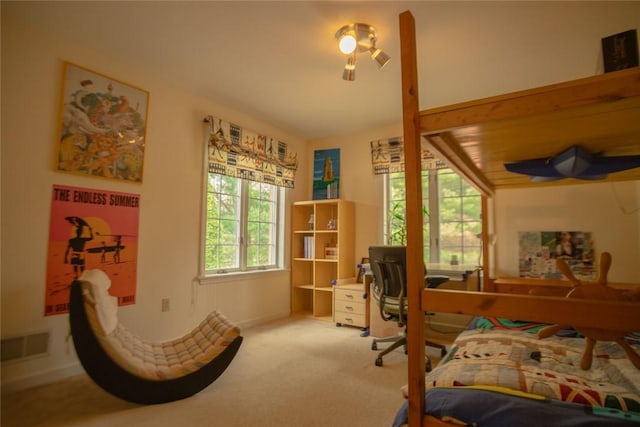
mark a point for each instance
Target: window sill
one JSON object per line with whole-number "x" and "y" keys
{"x": 240, "y": 276}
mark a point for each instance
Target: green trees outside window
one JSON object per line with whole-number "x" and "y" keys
{"x": 242, "y": 225}
{"x": 451, "y": 216}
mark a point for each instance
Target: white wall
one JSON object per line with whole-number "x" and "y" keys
{"x": 610, "y": 211}
{"x": 170, "y": 205}
{"x": 358, "y": 183}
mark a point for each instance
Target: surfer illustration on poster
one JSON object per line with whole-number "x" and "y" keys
{"x": 115, "y": 248}
{"x": 91, "y": 228}
{"x": 75, "y": 246}
{"x": 75, "y": 252}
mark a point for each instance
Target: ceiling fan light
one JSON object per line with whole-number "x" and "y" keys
{"x": 574, "y": 162}
{"x": 349, "y": 72}
{"x": 348, "y": 75}
{"x": 347, "y": 44}
{"x": 379, "y": 56}
{"x": 359, "y": 38}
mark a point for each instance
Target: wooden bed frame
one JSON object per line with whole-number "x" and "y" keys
{"x": 611, "y": 100}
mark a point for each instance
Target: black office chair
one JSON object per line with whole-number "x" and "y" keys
{"x": 388, "y": 264}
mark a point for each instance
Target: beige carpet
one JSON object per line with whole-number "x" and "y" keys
{"x": 292, "y": 372}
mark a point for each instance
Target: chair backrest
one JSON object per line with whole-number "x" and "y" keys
{"x": 388, "y": 264}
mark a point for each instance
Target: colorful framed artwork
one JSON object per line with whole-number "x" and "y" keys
{"x": 538, "y": 251}
{"x": 326, "y": 174}
{"x": 102, "y": 126}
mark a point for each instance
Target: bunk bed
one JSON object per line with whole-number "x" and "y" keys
{"x": 475, "y": 139}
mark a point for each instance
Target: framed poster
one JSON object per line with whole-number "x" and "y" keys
{"x": 538, "y": 251}
{"x": 91, "y": 229}
{"x": 620, "y": 51}
{"x": 102, "y": 126}
{"x": 326, "y": 174}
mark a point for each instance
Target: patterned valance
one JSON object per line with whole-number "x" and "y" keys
{"x": 241, "y": 153}
{"x": 387, "y": 156}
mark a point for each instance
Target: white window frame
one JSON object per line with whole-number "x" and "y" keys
{"x": 433, "y": 219}
{"x": 213, "y": 276}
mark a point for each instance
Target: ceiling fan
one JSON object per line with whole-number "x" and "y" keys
{"x": 574, "y": 162}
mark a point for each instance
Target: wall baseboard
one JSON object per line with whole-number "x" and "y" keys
{"x": 262, "y": 320}
{"x": 40, "y": 378}
{"x": 53, "y": 375}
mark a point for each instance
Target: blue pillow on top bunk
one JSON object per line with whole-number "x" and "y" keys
{"x": 492, "y": 409}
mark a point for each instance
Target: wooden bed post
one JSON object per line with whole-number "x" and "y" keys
{"x": 415, "y": 261}
{"x": 485, "y": 241}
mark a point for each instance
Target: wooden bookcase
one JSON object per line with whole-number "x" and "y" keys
{"x": 322, "y": 254}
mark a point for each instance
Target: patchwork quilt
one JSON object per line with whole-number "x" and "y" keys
{"x": 550, "y": 367}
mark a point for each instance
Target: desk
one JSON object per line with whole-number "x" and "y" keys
{"x": 440, "y": 328}
{"x": 460, "y": 272}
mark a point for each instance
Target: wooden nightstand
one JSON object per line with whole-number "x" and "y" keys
{"x": 351, "y": 305}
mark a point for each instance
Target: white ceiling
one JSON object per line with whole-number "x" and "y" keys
{"x": 279, "y": 61}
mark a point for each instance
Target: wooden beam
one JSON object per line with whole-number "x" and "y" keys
{"x": 601, "y": 88}
{"x": 486, "y": 256}
{"x": 456, "y": 158}
{"x": 613, "y": 315}
{"x": 413, "y": 186}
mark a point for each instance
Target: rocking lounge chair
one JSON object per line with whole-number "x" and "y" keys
{"x": 136, "y": 370}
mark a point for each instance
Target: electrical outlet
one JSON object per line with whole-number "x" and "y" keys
{"x": 165, "y": 304}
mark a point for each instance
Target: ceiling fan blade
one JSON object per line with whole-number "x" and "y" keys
{"x": 588, "y": 177}
{"x": 546, "y": 178}
{"x": 574, "y": 162}
{"x": 535, "y": 167}
{"x": 606, "y": 165}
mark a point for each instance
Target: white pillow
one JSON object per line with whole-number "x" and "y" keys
{"x": 106, "y": 305}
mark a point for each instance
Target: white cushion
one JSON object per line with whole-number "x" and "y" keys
{"x": 106, "y": 305}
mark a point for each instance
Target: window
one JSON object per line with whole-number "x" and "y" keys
{"x": 242, "y": 225}
{"x": 452, "y": 216}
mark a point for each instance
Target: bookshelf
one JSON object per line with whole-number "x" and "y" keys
{"x": 322, "y": 254}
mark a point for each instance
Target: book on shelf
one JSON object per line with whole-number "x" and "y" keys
{"x": 309, "y": 247}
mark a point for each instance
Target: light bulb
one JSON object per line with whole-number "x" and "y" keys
{"x": 347, "y": 44}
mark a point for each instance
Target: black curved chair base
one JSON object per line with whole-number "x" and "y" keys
{"x": 123, "y": 384}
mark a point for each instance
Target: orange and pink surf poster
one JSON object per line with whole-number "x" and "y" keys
{"x": 91, "y": 229}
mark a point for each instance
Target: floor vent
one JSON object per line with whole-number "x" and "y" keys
{"x": 24, "y": 347}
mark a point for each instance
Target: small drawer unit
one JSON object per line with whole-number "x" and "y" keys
{"x": 351, "y": 305}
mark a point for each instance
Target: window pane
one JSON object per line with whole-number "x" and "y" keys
{"x": 261, "y": 225}
{"x": 242, "y": 226}
{"x": 426, "y": 224}
{"x": 456, "y": 216}
{"x": 450, "y": 209}
{"x": 223, "y": 223}
{"x": 397, "y": 186}
{"x": 472, "y": 208}
{"x": 396, "y": 210}
{"x": 449, "y": 183}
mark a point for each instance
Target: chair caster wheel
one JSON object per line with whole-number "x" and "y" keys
{"x": 379, "y": 361}
{"x": 427, "y": 366}
{"x": 374, "y": 346}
